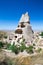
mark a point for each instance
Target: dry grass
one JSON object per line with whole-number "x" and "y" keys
{"x": 23, "y": 60}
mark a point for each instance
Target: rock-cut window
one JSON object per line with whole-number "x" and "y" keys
{"x": 18, "y": 31}
{"x": 22, "y": 25}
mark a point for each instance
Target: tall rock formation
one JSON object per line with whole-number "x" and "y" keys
{"x": 24, "y": 29}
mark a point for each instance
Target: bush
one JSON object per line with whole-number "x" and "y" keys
{"x": 13, "y": 47}
{"x": 29, "y": 49}
{"x": 33, "y": 44}
{"x": 1, "y": 44}
{"x": 22, "y": 47}
{"x": 39, "y": 49}
{"x": 5, "y": 37}
{"x": 41, "y": 34}
{"x": 8, "y": 45}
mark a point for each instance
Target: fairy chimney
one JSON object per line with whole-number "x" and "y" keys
{"x": 24, "y": 28}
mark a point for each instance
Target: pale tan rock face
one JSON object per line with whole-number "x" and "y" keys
{"x": 28, "y": 34}
{"x": 24, "y": 17}
{"x": 24, "y": 28}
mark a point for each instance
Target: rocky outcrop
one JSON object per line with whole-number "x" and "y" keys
{"x": 24, "y": 29}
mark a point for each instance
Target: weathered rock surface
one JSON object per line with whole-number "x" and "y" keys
{"x": 24, "y": 29}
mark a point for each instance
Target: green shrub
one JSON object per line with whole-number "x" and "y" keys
{"x": 13, "y": 47}
{"x": 5, "y": 37}
{"x": 1, "y": 44}
{"x": 8, "y": 45}
{"x": 33, "y": 44}
{"x": 41, "y": 34}
{"x": 23, "y": 40}
{"x": 39, "y": 49}
{"x": 22, "y": 47}
{"x": 29, "y": 49}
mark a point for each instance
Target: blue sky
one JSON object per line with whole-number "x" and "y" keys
{"x": 11, "y": 11}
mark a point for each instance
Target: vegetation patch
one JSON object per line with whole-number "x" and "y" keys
{"x": 41, "y": 34}
{"x": 1, "y": 44}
